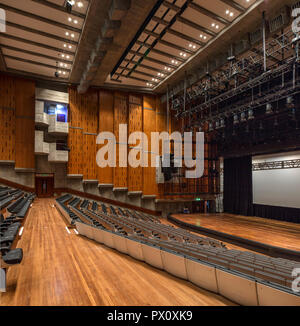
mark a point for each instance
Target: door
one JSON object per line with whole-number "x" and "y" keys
{"x": 44, "y": 186}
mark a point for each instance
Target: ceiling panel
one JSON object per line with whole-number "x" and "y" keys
{"x": 41, "y": 36}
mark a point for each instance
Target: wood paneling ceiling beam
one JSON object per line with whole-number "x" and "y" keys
{"x": 45, "y": 46}
{"x": 153, "y": 60}
{"x": 234, "y": 5}
{"x": 4, "y": 46}
{"x": 39, "y": 32}
{"x": 144, "y": 66}
{"x": 58, "y": 7}
{"x": 40, "y": 18}
{"x": 168, "y": 55}
{"x": 135, "y": 78}
{"x": 196, "y": 26}
{"x": 209, "y": 13}
{"x": 171, "y": 45}
{"x": 185, "y": 37}
{"x": 142, "y": 73}
{"x": 35, "y": 63}
{"x": 171, "y": 6}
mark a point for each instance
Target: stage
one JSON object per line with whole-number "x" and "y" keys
{"x": 270, "y": 232}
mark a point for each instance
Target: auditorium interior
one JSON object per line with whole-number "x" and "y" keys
{"x": 220, "y": 79}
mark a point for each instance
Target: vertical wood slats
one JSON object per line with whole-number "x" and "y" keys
{"x": 135, "y": 124}
{"x": 149, "y": 173}
{"x": 7, "y": 118}
{"x": 106, "y": 124}
{"x": 120, "y": 117}
{"x": 17, "y": 113}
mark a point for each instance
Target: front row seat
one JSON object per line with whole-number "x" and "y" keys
{"x": 10, "y": 258}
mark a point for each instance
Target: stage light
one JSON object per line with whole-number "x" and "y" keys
{"x": 269, "y": 109}
{"x": 243, "y": 117}
{"x": 250, "y": 114}
{"x": 236, "y": 119}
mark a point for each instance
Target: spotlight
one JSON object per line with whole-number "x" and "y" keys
{"x": 269, "y": 109}
{"x": 290, "y": 102}
{"x": 222, "y": 122}
{"x": 250, "y": 114}
{"x": 56, "y": 74}
{"x": 243, "y": 117}
{"x": 236, "y": 119}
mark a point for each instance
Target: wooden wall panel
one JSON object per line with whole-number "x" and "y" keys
{"x": 75, "y": 143}
{"x": 149, "y": 173}
{"x": 106, "y": 124}
{"x": 7, "y": 118}
{"x": 89, "y": 157}
{"x": 120, "y": 117}
{"x": 161, "y": 125}
{"x": 135, "y": 123}
{"x": 83, "y": 116}
{"x": 25, "y": 124}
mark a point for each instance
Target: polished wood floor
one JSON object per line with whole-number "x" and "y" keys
{"x": 68, "y": 270}
{"x": 271, "y": 232}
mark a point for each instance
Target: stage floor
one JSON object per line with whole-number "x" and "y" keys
{"x": 271, "y": 232}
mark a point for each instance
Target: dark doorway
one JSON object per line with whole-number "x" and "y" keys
{"x": 44, "y": 185}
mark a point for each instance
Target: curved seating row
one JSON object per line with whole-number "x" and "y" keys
{"x": 261, "y": 280}
{"x": 230, "y": 284}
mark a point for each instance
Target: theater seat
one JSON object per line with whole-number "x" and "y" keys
{"x": 239, "y": 289}
{"x": 152, "y": 256}
{"x": 135, "y": 249}
{"x": 108, "y": 239}
{"x": 120, "y": 243}
{"x": 13, "y": 257}
{"x": 270, "y": 296}
{"x": 98, "y": 235}
{"x": 174, "y": 264}
{"x": 201, "y": 274}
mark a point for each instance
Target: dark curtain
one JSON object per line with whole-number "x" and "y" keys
{"x": 277, "y": 213}
{"x": 238, "y": 196}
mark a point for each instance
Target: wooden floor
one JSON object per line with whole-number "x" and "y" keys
{"x": 66, "y": 269}
{"x": 275, "y": 233}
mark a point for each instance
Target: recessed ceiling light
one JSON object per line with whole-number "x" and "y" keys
{"x": 80, "y": 4}
{"x": 59, "y": 71}
{"x": 65, "y": 45}
{"x": 70, "y": 46}
{"x": 75, "y": 21}
{"x": 61, "y": 64}
{"x": 72, "y": 35}
{"x": 67, "y": 33}
{"x": 64, "y": 73}
{"x": 69, "y": 19}
{"x": 63, "y": 55}
{"x": 68, "y": 56}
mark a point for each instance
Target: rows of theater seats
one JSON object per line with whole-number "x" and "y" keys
{"x": 17, "y": 203}
{"x": 244, "y": 277}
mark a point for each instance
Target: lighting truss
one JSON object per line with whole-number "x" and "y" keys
{"x": 276, "y": 165}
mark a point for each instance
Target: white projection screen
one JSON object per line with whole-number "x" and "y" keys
{"x": 279, "y": 187}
